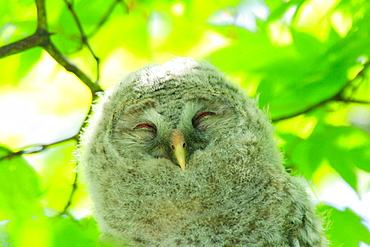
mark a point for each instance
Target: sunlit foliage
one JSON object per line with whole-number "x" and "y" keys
{"x": 306, "y": 60}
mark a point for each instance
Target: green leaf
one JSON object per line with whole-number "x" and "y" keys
{"x": 21, "y": 14}
{"x": 344, "y": 147}
{"x": 20, "y": 187}
{"x": 341, "y": 161}
{"x": 297, "y": 77}
{"x": 68, "y": 232}
{"x": 279, "y": 8}
{"x": 85, "y": 11}
{"x": 248, "y": 52}
{"x": 300, "y": 87}
{"x": 345, "y": 227}
{"x": 348, "y": 149}
{"x": 174, "y": 42}
{"x": 130, "y": 32}
{"x": 27, "y": 61}
{"x": 33, "y": 231}
{"x": 53, "y": 232}
{"x": 361, "y": 157}
{"x": 59, "y": 175}
{"x": 307, "y": 156}
{"x": 66, "y": 35}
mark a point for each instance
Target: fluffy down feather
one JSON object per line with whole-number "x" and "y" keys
{"x": 234, "y": 190}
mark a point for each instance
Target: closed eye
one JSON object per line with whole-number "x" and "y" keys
{"x": 199, "y": 117}
{"x": 146, "y": 126}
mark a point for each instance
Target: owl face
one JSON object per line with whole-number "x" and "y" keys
{"x": 161, "y": 128}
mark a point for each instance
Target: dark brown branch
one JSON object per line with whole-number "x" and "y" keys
{"x": 41, "y": 15}
{"x": 41, "y": 38}
{"x": 64, "y": 62}
{"x": 321, "y": 103}
{"x": 336, "y": 97}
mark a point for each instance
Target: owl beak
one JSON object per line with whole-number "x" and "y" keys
{"x": 178, "y": 146}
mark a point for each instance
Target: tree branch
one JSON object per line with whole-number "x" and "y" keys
{"x": 107, "y": 14}
{"x": 354, "y": 101}
{"x": 64, "y": 62}
{"x": 70, "y": 198}
{"x": 41, "y": 38}
{"x": 84, "y": 38}
{"x": 337, "y": 97}
{"x": 36, "y": 148}
{"x": 274, "y": 120}
{"x": 41, "y": 15}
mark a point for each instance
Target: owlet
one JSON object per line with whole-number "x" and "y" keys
{"x": 176, "y": 155}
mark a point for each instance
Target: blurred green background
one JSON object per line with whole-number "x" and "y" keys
{"x": 306, "y": 61}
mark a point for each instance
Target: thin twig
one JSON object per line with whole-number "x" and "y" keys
{"x": 107, "y": 14}
{"x": 308, "y": 109}
{"x": 75, "y": 182}
{"x": 84, "y": 38}
{"x": 36, "y": 148}
{"x": 41, "y": 38}
{"x": 354, "y": 101}
{"x": 321, "y": 103}
{"x": 337, "y": 97}
{"x": 70, "y": 198}
{"x": 125, "y": 5}
{"x": 63, "y": 61}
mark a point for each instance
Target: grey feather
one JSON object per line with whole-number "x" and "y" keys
{"x": 234, "y": 190}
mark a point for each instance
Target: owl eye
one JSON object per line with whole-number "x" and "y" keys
{"x": 197, "y": 120}
{"x": 148, "y": 126}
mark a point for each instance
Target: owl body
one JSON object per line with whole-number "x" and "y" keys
{"x": 228, "y": 188}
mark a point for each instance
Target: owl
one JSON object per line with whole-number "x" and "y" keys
{"x": 177, "y": 155}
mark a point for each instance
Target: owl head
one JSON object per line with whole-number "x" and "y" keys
{"x": 174, "y": 110}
